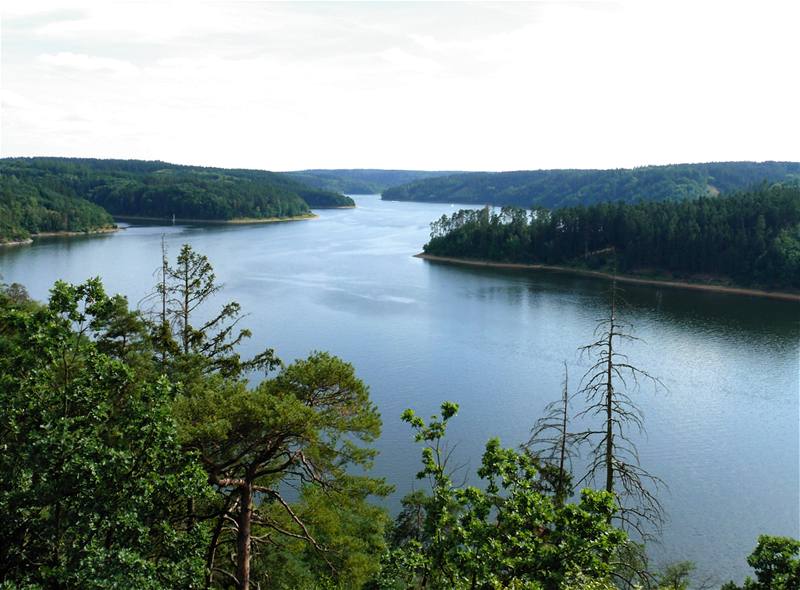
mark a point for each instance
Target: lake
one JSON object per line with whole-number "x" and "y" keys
{"x": 723, "y": 434}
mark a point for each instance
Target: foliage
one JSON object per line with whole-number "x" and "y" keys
{"x": 299, "y": 429}
{"x": 344, "y": 522}
{"x": 753, "y": 238}
{"x": 508, "y": 535}
{"x": 676, "y": 576}
{"x": 565, "y": 188}
{"x": 93, "y": 477}
{"x": 776, "y": 561}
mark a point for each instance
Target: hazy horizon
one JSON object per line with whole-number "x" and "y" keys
{"x": 389, "y": 169}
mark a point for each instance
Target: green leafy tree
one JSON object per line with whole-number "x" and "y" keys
{"x": 776, "y": 561}
{"x": 508, "y": 535}
{"x": 93, "y": 476}
{"x": 304, "y": 428}
{"x": 676, "y": 576}
{"x": 349, "y": 530}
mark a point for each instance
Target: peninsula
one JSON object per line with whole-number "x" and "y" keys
{"x": 76, "y": 196}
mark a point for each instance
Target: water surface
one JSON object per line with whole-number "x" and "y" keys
{"x": 723, "y": 435}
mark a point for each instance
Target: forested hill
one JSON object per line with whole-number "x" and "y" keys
{"x": 563, "y": 188}
{"x": 28, "y": 208}
{"x": 750, "y": 238}
{"x": 361, "y": 181}
{"x": 52, "y": 194}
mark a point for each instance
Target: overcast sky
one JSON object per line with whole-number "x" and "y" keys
{"x": 403, "y": 85}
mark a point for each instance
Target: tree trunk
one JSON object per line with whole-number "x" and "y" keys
{"x": 190, "y": 513}
{"x": 185, "y": 309}
{"x": 243, "y": 537}
{"x": 562, "y": 459}
{"x": 610, "y": 395}
{"x": 163, "y": 288}
{"x": 609, "y": 432}
{"x": 212, "y": 549}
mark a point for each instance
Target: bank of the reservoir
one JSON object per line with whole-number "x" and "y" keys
{"x": 235, "y": 221}
{"x": 60, "y": 234}
{"x": 608, "y": 276}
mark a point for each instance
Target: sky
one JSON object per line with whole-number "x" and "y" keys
{"x": 445, "y": 86}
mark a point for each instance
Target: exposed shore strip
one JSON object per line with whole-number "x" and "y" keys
{"x": 235, "y": 221}
{"x": 60, "y": 234}
{"x": 608, "y": 276}
{"x": 161, "y": 220}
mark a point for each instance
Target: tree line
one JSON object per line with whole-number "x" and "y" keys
{"x": 361, "y": 181}
{"x": 51, "y": 194}
{"x": 567, "y": 188}
{"x": 751, "y": 238}
{"x": 137, "y": 453}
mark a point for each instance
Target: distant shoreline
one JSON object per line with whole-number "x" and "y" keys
{"x": 60, "y": 234}
{"x": 162, "y": 220}
{"x": 235, "y": 221}
{"x": 608, "y": 276}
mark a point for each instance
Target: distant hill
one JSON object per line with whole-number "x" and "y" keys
{"x": 317, "y": 197}
{"x": 38, "y": 192}
{"x": 562, "y": 188}
{"x": 361, "y": 181}
{"x": 29, "y": 208}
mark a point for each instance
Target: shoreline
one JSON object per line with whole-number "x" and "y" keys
{"x": 69, "y": 234}
{"x": 161, "y": 221}
{"x": 61, "y": 234}
{"x": 236, "y": 221}
{"x": 24, "y": 242}
{"x": 607, "y": 276}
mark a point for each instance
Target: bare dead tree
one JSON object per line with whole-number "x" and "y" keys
{"x": 553, "y": 445}
{"x": 608, "y": 386}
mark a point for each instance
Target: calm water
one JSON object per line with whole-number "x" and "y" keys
{"x": 724, "y": 436}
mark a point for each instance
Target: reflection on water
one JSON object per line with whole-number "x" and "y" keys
{"x": 723, "y": 436}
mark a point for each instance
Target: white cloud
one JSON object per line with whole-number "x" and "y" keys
{"x": 88, "y": 63}
{"x": 456, "y": 86}
{"x": 12, "y": 100}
